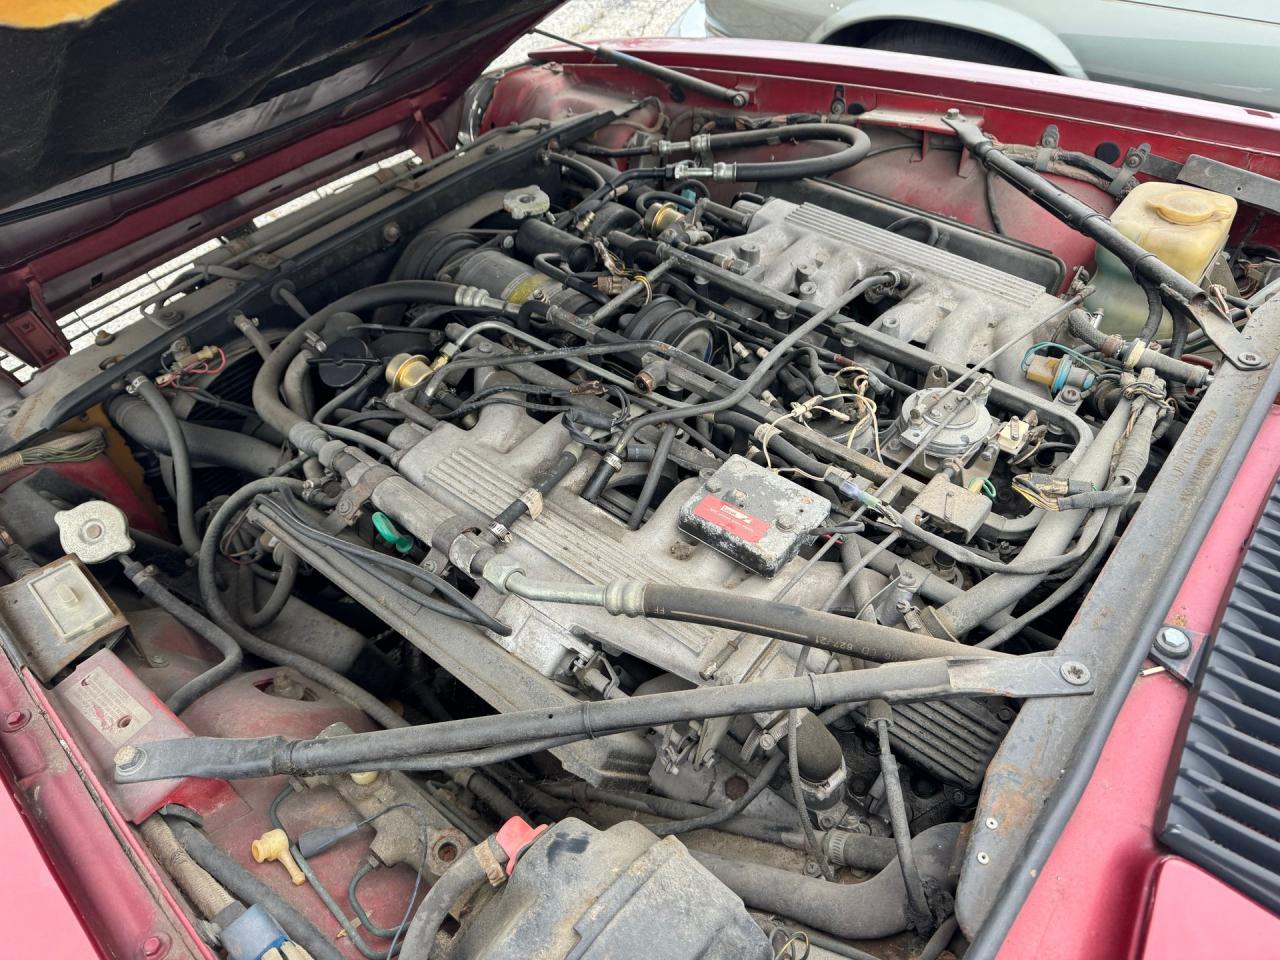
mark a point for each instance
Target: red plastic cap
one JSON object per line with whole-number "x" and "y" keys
{"x": 514, "y": 836}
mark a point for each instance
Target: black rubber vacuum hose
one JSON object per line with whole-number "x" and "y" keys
{"x": 266, "y": 386}
{"x": 206, "y": 445}
{"x": 465, "y": 873}
{"x": 182, "y": 483}
{"x": 352, "y": 693}
{"x": 855, "y": 911}
{"x": 245, "y": 886}
{"x": 803, "y": 625}
{"x": 191, "y": 618}
{"x": 859, "y": 145}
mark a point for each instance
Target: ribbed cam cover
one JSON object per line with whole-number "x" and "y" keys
{"x": 1224, "y": 807}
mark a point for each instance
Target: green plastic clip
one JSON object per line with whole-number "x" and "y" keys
{"x": 387, "y": 530}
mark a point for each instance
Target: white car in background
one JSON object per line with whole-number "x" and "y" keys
{"x": 1214, "y": 49}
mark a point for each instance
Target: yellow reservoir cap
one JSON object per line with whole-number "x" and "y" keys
{"x": 1186, "y": 227}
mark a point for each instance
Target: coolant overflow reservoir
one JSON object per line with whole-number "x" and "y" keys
{"x": 1186, "y": 227}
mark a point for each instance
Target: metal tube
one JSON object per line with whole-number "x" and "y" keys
{"x": 1054, "y": 532}
{"x": 938, "y": 679}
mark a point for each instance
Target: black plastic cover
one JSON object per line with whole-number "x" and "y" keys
{"x": 1223, "y": 811}
{"x": 621, "y": 894}
{"x": 752, "y": 515}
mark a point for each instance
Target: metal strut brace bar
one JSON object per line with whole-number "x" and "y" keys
{"x": 1019, "y": 678}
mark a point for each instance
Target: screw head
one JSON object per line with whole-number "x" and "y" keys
{"x": 1172, "y": 642}
{"x": 15, "y": 720}
{"x": 992, "y": 823}
{"x": 1075, "y": 673}
{"x": 1248, "y": 358}
{"x": 1069, "y": 395}
{"x": 983, "y": 857}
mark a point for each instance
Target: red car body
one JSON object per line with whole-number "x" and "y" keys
{"x": 78, "y": 882}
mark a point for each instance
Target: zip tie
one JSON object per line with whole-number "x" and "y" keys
{"x": 532, "y": 499}
{"x": 1134, "y": 355}
{"x": 766, "y": 432}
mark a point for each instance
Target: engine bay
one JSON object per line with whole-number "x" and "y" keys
{"x": 633, "y": 485}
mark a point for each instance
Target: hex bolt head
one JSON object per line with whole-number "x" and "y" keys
{"x": 129, "y": 759}
{"x": 1075, "y": 673}
{"x": 1172, "y": 642}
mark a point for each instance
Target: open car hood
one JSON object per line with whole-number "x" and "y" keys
{"x": 114, "y": 105}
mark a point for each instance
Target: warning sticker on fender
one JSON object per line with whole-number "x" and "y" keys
{"x": 728, "y": 517}
{"x": 107, "y": 706}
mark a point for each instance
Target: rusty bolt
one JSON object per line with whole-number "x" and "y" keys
{"x": 129, "y": 759}
{"x": 735, "y": 788}
{"x": 1075, "y": 673}
{"x": 103, "y": 337}
{"x": 1249, "y": 359}
{"x": 15, "y": 720}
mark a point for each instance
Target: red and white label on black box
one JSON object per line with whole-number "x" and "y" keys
{"x": 728, "y": 517}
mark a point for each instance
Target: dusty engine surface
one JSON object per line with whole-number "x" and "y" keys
{"x": 724, "y": 499}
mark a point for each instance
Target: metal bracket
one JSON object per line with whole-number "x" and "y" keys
{"x": 1234, "y": 344}
{"x": 1134, "y": 159}
{"x": 1179, "y": 650}
{"x": 1244, "y": 185}
{"x": 1048, "y": 144}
